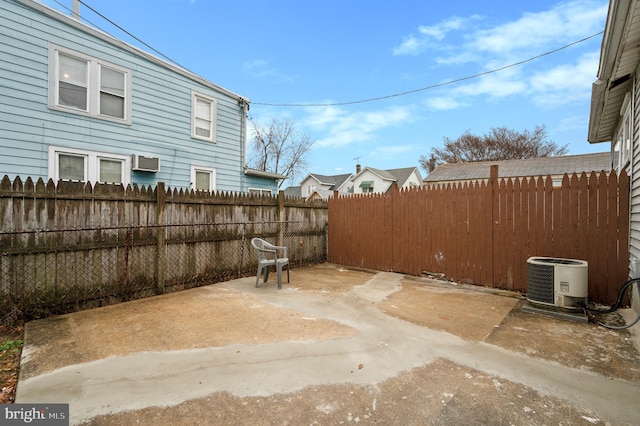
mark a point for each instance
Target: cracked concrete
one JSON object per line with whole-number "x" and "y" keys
{"x": 366, "y": 350}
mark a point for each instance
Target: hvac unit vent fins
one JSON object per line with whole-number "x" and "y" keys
{"x": 540, "y": 283}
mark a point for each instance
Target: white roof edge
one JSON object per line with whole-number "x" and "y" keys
{"x": 260, "y": 173}
{"x": 616, "y": 21}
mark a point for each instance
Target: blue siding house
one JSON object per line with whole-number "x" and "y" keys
{"x": 78, "y": 104}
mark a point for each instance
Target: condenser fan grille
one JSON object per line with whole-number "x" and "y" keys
{"x": 540, "y": 283}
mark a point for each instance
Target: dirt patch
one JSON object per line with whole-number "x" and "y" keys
{"x": 439, "y": 308}
{"x": 436, "y": 394}
{"x": 574, "y": 344}
{"x": 216, "y": 316}
{"x": 327, "y": 279}
{"x": 11, "y": 340}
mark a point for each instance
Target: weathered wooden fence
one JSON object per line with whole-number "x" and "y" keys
{"x": 70, "y": 246}
{"x": 483, "y": 233}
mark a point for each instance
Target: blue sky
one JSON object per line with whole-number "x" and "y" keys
{"x": 339, "y": 51}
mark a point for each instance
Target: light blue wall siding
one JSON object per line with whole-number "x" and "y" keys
{"x": 161, "y": 109}
{"x": 257, "y": 182}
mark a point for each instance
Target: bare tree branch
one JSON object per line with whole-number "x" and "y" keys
{"x": 278, "y": 148}
{"x": 499, "y": 143}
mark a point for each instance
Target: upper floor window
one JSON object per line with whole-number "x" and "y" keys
{"x": 88, "y": 166}
{"x": 203, "y": 113}
{"x": 84, "y": 85}
{"x": 310, "y": 189}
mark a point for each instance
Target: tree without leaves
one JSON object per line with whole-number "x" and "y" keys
{"x": 278, "y": 148}
{"x": 500, "y": 143}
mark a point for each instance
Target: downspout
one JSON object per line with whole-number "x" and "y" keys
{"x": 244, "y": 108}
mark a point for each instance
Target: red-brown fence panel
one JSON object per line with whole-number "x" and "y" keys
{"x": 483, "y": 232}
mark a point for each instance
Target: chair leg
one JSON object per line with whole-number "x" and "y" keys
{"x": 258, "y": 276}
{"x": 288, "y": 280}
{"x": 266, "y": 273}
{"x": 279, "y": 269}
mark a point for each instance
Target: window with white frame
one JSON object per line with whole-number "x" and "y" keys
{"x": 259, "y": 191}
{"x": 203, "y": 113}
{"x": 88, "y": 166}
{"x": 616, "y": 153}
{"x": 624, "y": 134}
{"x": 203, "y": 178}
{"x": 89, "y": 86}
{"x": 310, "y": 189}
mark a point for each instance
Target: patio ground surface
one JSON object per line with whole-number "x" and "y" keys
{"x": 335, "y": 346}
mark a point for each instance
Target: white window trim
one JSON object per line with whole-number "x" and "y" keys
{"x": 214, "y": 108}
{"x": 212, "y": 176}
{"x": 625, "y": 134}
{"x": 93, "y": 103}
{"x": 91, "y": 164}
{"x": 260, "y": 191}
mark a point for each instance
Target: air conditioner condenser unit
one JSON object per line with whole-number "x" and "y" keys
{"x": 557, "y": 282}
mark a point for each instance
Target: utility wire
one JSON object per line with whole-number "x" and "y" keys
{"x": 361, "y": 101}
{"x": 433, "y": 86}
{"x": 118, "y": 27}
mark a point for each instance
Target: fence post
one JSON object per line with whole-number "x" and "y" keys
{"x": 161, "y": 253}
{"x": 493, "y": 184}
{"x": 281, "y": 217}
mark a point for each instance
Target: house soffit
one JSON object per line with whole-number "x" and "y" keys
{"x": 621, "y": 76}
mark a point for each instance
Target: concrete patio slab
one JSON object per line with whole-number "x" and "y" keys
{"x": 334, "y": 346}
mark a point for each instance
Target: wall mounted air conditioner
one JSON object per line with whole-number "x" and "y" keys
{"x": 144, "y": 164}
{"x": 557, "y": 282}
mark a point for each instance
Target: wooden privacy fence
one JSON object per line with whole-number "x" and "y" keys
{"x": 483, "y": 232}
{"x": 71, "y": 246}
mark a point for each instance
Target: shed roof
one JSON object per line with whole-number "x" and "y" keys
{"x": 335, "y": 181}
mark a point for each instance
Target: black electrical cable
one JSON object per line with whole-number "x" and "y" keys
{"x": 613, "y": 307}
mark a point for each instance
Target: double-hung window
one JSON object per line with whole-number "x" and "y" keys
{"x": 622, "y": 144}
{"x": 89, "y": 86}
{"x": 88, "y": 166}
{"x": 258, "y": 191}
{"x": 203, "y": 117}
{"x": 203, "y": 178}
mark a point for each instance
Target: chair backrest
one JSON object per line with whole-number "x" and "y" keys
{"x": 259, "y": 245}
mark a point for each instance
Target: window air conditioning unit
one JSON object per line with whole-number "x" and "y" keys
{"x": 144, "y": 164}
{"x": 557, "y": 282}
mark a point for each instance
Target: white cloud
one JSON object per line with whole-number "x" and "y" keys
{"x": 341, "y": 128}
{"x": 416, "y": 44}
{"x": 564, "y": 22}
{"x": 531, "y": 34}
{"x": 439, "y": 31}
{"x": 442, "y": 103}
{"x": 565, "y": 83}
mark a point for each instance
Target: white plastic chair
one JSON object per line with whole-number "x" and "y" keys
{"x": 267, "y": 257}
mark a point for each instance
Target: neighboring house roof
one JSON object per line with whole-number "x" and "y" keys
{"x": 542, "y": 166}
{"x": 399, "y": 176}
{"x": 618, "y": 62}
{"x": 334, "y": 182}
{"x": 320, "y": 194}
{"x": 293, "y": 191}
